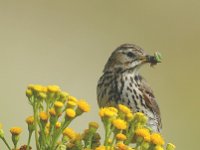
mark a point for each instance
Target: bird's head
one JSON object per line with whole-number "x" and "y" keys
{"x": 129, "y": 57}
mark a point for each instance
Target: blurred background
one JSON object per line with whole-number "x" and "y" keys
{"x": 68, "y": 42}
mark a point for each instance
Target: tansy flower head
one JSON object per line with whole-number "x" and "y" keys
{"x": 58, "y": 104}
{"x": 63, "y": 96}
{"x": 37, "y": 88}
{"x": 30, "y": 86}
{"x": 29, "y": 93}
{"x": 70, "y": 113}
{"x": 144, "y": 133}
{"x": 157, "y": 139}
{"x": 44, "y": 89}
{"x": 53, "y": 88}
{"x": 1, "y": 131}
{"x": 42, "y": 95}
{"x": 119, "y": 124}
{"x": 113, "y": 109}
{"x": 58, "y": 125}
{"x": 43, "y": 116}
{"x": 121, "y": 137}
{"x": 107, "y": 112}
{"x": 71, "y": 104}
{"x": 158, "y": 147}
{"x": 100, "y": 148}
{"x": 15, "y": 130}
{"x": 121, "y": 146}
{"x": 124, "y": 109}
{"x": 140, "y": 117}
{"x": 72, "y": 98}
{"x": 58, "y": 107}
{"x": 30, "y": 120}
{"x": 129, "y": 116}
{"x": 70, "y": 133}
{"x": 52, "y": 112}
{"x": 170, "y": 146}
{"x": 83, "y": 106}
{"x": 47, "y": 125}
{"x": 93, "y": 125}
{"x": 104, "y": 148}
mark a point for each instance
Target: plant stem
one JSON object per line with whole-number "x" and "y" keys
{"x": 4, "y": 140}
{"x": 35, "y": 123}
{"x": 29, "y": 140}
{"x": 55, "y": 138}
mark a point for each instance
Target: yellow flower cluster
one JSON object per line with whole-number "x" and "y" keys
{"x": 55, "y": 109}
{"x": 58, "y": 104}
{"x": 108, "y": 112}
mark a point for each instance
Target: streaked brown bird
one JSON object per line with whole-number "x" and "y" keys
{"x": 121, "y": 83}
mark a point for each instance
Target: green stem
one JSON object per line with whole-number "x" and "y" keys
{"x": 55, "y": 138}
{"x": 108, "y": 133}
{"x": 129, "y": 134}
{"x": 113, "y": 140}
{"x": 29, "y": 140}
{"x": 35, "y": 123}
{"x": 4, "y": 140}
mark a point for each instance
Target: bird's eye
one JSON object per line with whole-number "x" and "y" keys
{"x": 130, "y": 54}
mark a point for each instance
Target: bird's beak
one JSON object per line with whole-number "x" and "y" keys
{"x": 152, "y": 59}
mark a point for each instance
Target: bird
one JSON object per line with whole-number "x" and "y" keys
{"x": 121, "y": 83}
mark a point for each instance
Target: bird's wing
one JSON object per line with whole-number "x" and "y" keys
{"x": 150, "y": 99}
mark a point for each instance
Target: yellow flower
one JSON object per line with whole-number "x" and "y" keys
{"x": 107, "y": 112}
{"x": 121, "y": 137}
{"x": 30, "y": 86}
{"x": 70, "y": 113}
{"x": 30, "y": 120}
{"x": 53, "y": 88}
{"x": 43, "y": 116}
{"x": 113, "y": 109}
{"x": 37, "y": 88}
{"x": 144, "y": 133}
{"x": 29, "y": 93}
{"x": 47, "y": 125}
{"x": 70, "y": 133}
{"x": 158, "y": 147}
{"x": 42, "y": 95}
{"x": 58, "y": 125}
{"x": 129, "y": 116}
{"x": 93, "y": 125}
{"x": 58, "y": 104}
{"x": 73, "y": 99}
{"x": 157, "y": 139}
{"x": 15, "y": 130}
{"x": 101, "y": 112}
{"x": 52, "y": 112}
{"x": 1, "y": 131}
{"x": 44, "y": 89}
{"x": 124, "y": 109}
{"x": 119, "y": 124}
{"x": 83, "y": 105}
{"x": 104, "y": 148}
{"x": 58, "y": 107}
{"x": 121, "y": 146}
{"x": 170, "y": 146}
{"x": 100, "y": 148}
{"x": 140, "y": 117}
{"x": 71, "y": 104}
